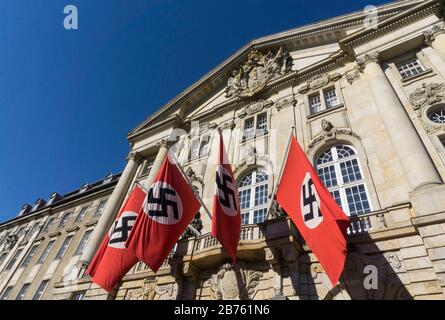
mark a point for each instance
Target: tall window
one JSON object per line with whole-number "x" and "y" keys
{"x": 81, "y": 214}
{"x": 330, "y": 96}
{"x": 46, "y": 252}
{"x": 3, "y": 257}
{"x": 6, "y": 293}
{"x": 29, "y": 257}
{"x": 48, "y": 225}
{"x": 63, "y": 248}
{"x": 14, "y": 259}
{"x": 79, "y": 295}
{"x": 83, "y": 242}
{"x": 41, "y": 290}
{"x": 100, "y": 208}
{"x": 410, "y": 68}
{"x": 340, "y": 171}
{"x": 64, "y": 220}
{"x": 22, "y": 292}
{"x": 323, "y": 99}
{"x": 255, "y": 126}
{"x": 200, "y": 147}
{"x": 315, "y": 103}
{"x": 252, "y": 190}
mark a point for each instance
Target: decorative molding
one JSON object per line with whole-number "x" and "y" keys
{"x": 430, "y": 36}
{"x": 259, "y": 68}
{"x": 367, "y": 58}
{"x": 255, "y": 107}
{"x": 329, "y": 132}
{"x": 427, "y": 95}
{"x": 319, "y": 81}
{"x": 353, "y": 75}
{"x": 283, "y": 103}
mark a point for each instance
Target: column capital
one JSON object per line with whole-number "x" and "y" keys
{"x": 166, "y": 143}
{"x": 430, "y": 35}
{"x": 134, "y": 156}
{"x": 362, "y": 61}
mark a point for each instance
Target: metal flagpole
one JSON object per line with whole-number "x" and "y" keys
{"x": 292, "y": 132}
{"x": 196, "y": 232}
{"x": 191, "y": 186}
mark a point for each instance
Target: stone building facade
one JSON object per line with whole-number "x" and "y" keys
{"x": 367, "y": 105}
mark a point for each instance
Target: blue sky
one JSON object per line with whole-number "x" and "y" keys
{"x": 68, "y": 98}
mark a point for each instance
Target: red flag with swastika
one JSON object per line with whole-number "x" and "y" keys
{"x": 315, "y": 213}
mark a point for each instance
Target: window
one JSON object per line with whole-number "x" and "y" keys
{"x": 14, "y": 259}
{"x": 437, "y": 116}
{"x": 6, "y": 293}
{"x": 33, "y": 230}
{"x": 330, "y": 100}
{"x": 20, "y": 231}
{"x": 409, "y": 68}
{"x": 63, "y": 248}
{"x": 81, "y": 214}
{"x": 200, "y": 147}
{"x": 147, "y": 167}
{"x": 340, "y": 171}
{"x": 40, "y": 290}
{"x": 29, "y": 257}
{"x": 315, "y": 103}
{"x": 48, "y": 225}
{"x": 253, "y": 196}
{"x": 64, "y": 220}
{"x": 255, "y": 126}
{"x": 46, "y": 252}
{"x": 80, "y": 295}
{"x": 100, "y": 208}
{"x": 22, "y": 292}
{"x": 3, "y": 257}
{"x": 83, "y": 242}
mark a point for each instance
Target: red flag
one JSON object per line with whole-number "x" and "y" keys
{"x": 226, "y": 220}
{"x": 167, "y": 211}
{"x": 112, "y": 261}
{"x": 315, "y": 213}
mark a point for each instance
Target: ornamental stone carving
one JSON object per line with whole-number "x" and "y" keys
{"x": 234, "y": 283}
{"x": 427, "y": 95}
{"x": 367, "y": 58}
{"x": 318, "y": 81}
{"x": 330, "y": 132}
{"x": 10, "y": 241}
{"x": 431, "y": 35}
{"x": 255, "y": 107}
{"x": 151, "y": 291}
{"x": 259, "y": 68}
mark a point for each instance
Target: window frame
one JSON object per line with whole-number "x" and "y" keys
{"x": 41, "y": 290}
{"x": 62, "y": 223}
{"x": 23, "y": 291}
{"x": 256, "y": 132}
{"x": 13, "y": 259}
{"x": 32, "y": 252}
{"x": 46, "y": 252}
{"x": 321, "y": 94}
{"x": 96, "y": 212}
{"x": 6, "y": 293}
{"x": 252, "y": 187}
{"x": 80, "y": 250}
{"x": 84, "y": 214}
{"x": 64, "y": 247}
{"x": 342, "y": 185}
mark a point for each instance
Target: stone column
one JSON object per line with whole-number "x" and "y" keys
{"x": 416, "y": 163}
{"x": 113, "y": 205}
{"x": 436, "y": 39}
{"x": 163, "y": 145}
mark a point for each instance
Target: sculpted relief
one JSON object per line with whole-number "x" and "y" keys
{"x": 259, "y": 68}
{"x": 234, "y": 283}
{"x": 152, "y": 291}
{"x": 428, "y": 94}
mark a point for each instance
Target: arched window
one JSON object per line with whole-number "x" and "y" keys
{"x": 339, "y": 169}
{"x": 252, "y": 190}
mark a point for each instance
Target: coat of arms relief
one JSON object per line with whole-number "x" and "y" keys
{"x": 259, "y": 68}
{"x": 150, "y": 290}
{"x": 234, "y": 283}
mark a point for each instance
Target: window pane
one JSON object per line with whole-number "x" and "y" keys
{"x": 315, "y": 103}
{"x": 29, "y": 257}
{"x": 83, "y": 242}
{"x": 262, "y": 123}
{"x": 357, "y": 200}
{"x": 344, "y": 152}
{"x": 327, "y": 175}
{"x": 63, "y": 248}
{"x": 331, "y": 99}
{"x": 40, "y": 290}
{"x": 46, "y": 251}
{"x": 244, "y": 198}
{"x": 410, "y": 68}
{"x": 205, "y": 147}
{"x": 260, "y": 195}
{"x": 81, "y": 214}
{"x": 325, "y": 157}
{"x": 100, "y": 208}
{"x": 6, "y": 293}
{"x": 336, "y": 195}
{"x": 48, "y": 224}
{"x": 248, "y": 128}
{"x": 22, "y": 292}
{"x": 246, "y": 181}
{"x": 259, "y": 215}
{"x": 14, "y": 259}
{"x": 78, "y": 295}
{"x": 245, "y": 217}
{"x": 64, "y": 220}
{"x": 350, "y": 171}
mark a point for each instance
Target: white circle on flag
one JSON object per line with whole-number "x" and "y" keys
{"x": 120, "y": 229}
{"x": 310, "y": 203}
{"x": 226, "y": 191}
{"x": 163, "y": 204}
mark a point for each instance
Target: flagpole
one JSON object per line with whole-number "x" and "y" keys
{"x": 274, "y": 191}
{"x": 191, "y": 186}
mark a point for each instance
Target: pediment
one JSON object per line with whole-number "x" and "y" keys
{"x": 265, "y": 61}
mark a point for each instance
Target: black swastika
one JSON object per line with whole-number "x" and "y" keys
{"x": 164, "y": 202}
{"x": 228, "y": 193}
{"x": 124, "y": 229}
{"x": 310, "y": 200}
